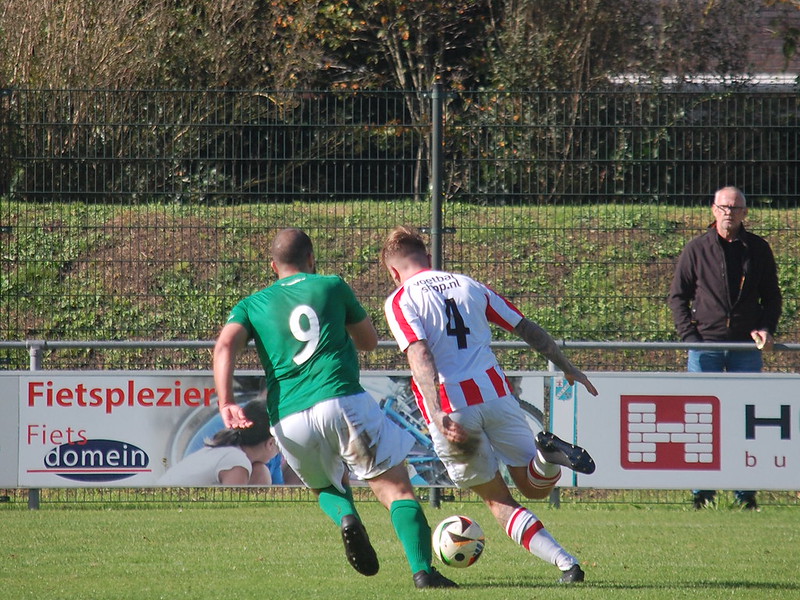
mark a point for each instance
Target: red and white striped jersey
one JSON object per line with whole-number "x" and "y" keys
{"x": 453, "y": 312}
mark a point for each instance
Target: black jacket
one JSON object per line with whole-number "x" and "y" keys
{"x": 700, "y": 299}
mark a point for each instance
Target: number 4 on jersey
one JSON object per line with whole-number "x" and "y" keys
{"x": 455, "y": 323}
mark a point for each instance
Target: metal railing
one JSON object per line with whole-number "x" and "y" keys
{"x": 37, "y": 348}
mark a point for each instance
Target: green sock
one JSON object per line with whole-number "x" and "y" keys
{"x": 414, "y": 533}
{"x": 336, "y": 504}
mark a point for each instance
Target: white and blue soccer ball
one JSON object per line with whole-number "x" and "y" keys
{"x": 458, "y": 541}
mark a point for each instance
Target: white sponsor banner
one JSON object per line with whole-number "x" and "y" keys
{"x": 125, "y": 429}
{"x": 684, "y": 430}
{"x": 9, "y": 430}
{"x": 107, "y": 428}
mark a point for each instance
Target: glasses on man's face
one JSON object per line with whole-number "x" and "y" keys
{"x": 729, "y": 208}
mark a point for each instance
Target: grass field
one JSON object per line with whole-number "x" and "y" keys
{"x": 290, "y": 550}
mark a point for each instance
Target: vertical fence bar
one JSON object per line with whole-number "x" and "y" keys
{"x": 35, "y": 350}
{"x": 436, "y": 208}
{"x": 555, "y": 493}
{"x": 436, "y": 175}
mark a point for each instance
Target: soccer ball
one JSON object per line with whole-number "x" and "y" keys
{"x": 458, "y": 541}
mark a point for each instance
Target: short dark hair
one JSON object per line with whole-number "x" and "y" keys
{"x": 292, "y": 246}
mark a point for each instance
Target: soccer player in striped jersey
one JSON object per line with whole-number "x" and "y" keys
{"x": 442, "y": 321}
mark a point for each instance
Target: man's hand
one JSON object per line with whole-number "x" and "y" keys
{"x": 423, "y": 369}
{"x": 763, "y": 339}
{"x": 451, "y": 430}
{"x": 581, "y": 378}
{"x": 233, "y": 416}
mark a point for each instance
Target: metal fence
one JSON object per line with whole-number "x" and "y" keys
{"x": 145, "y": 215}
{"x": 116, "y": 498}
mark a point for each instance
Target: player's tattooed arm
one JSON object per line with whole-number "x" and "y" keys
{"x": 423, "y": 369}
{"x": 541, "y": 341}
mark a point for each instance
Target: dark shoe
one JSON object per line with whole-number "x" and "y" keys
{"x": 558, "y": 452}
{"x": 434, "y": 579}
{"x": 748, "y": 503}
{"x": 359, "y": 551}
{"x": 573, "y": 575}
{"x": 702, "y": 500}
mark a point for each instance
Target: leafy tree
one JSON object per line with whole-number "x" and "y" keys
{"x": 788, "y": 30}
{"x": 80, "y": 43}
{"x": 580, "y": 44}
{"x": 130, "y": 44}
{"x": 681, "y": 38}
{"x": 372, "y": 44}
{"x": 244, "y": 44}
{"x": 404, "y": 44}
{"x": 566, "y": 45}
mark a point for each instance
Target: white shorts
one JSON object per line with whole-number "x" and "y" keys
{"x": 352, "y": 430}
{"x": 503, "y": 434}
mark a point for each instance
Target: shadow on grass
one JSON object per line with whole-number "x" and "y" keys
{"x": 731, "y": 585}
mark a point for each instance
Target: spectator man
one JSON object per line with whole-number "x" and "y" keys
{"x": 725, "y": 289}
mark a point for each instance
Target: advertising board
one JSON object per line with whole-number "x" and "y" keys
{"x": 126, "y": 429}
{"x": 685, "y": 430}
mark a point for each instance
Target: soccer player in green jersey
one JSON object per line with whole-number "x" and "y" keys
{"x": 307, "y": 328}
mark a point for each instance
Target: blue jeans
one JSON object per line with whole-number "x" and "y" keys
{"x": 718, "y": 361}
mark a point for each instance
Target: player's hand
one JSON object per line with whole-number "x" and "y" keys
{"x": 454, "y": 432}
{"x": 763, "y": 339}
{"x": 233, "y": 416}
{"x": 581, "y": 378}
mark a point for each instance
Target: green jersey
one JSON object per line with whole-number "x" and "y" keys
{"x": 298, "y": 324}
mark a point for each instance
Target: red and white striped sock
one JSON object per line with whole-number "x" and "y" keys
{"x": 541, "y": 474}
{"x": 528, "y": 531}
